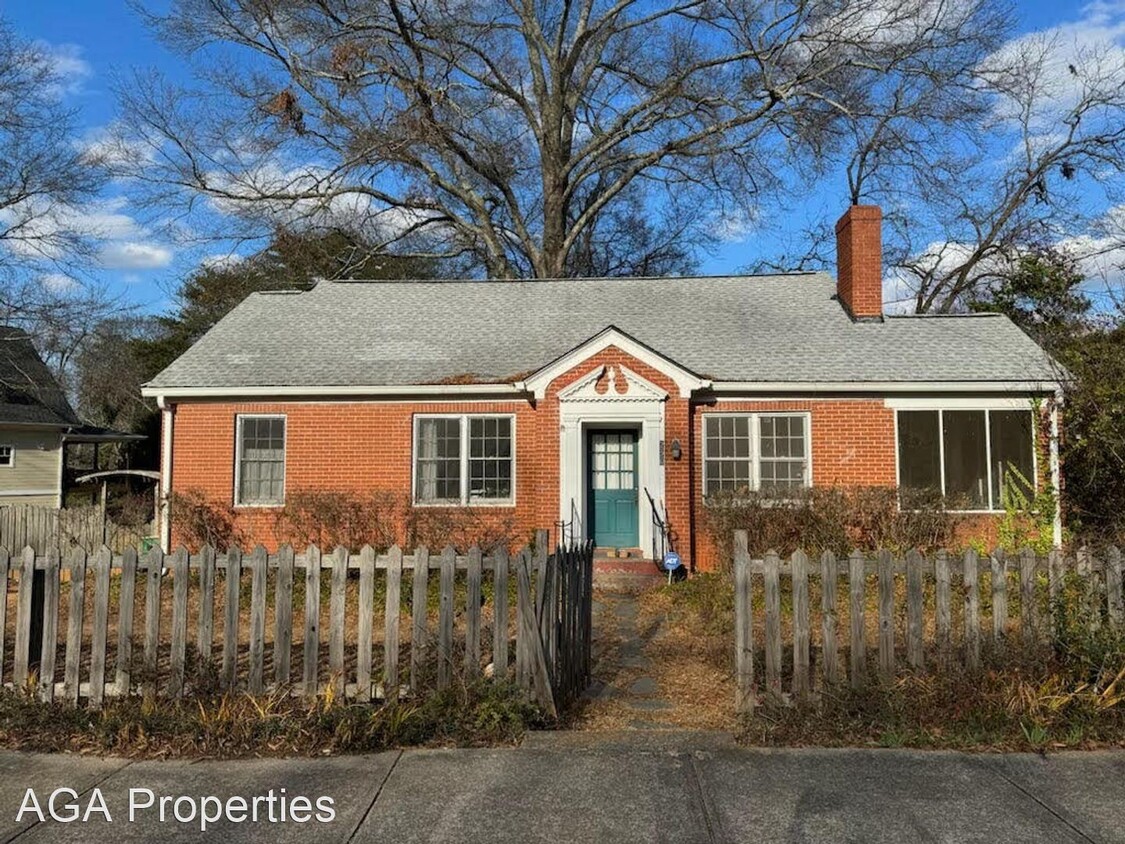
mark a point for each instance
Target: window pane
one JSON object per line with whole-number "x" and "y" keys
{"x": 261, "y": 457}
{"x": 919, "y": 450}
{"x": 490, "y": 470}
{"x": 1013, "y": 467}
{"x": 726, "y": 449}
{"x": 966, "y": 469}
{"x": 437, "y": 455}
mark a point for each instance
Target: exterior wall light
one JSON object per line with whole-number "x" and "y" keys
{"x": 677, "y": 452}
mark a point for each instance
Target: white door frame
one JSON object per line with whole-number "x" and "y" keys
{"x": 582, "y": 407}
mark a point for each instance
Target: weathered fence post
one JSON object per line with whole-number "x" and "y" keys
{"x": 773, "y": 623}
{"x": 49, "y": 625}
{"x": 230, "y": 617}
{"x": 103, "y": 562}
{"x": 500, "y": 613}
{"x": 999, "y": 595}
{"x": 472, "y": 609}
{"x": 857, "y": 582}
{"x": 972, "y": 610}
{"x": 943, "y": 623}
{"x": 886, "y": 614}
{"x": 915, "y": 605}
{"x": 153, "y": 579}
{"x": 259, "y": 570}
{"x": 743, "y": 626}
{"x": 1029, "y": 608}
{"x": 392, "y": 605}
{"x": 799, "y": 574}
{"x": 24, "y": 602}
{"x": 336, "y": 609}
{"x": 418, "y": 616}
{"x": 125, "y": 609}
{"x": 310, "y": 661}
{"x": 445, "y": 618}
{"x": 365, "y": 623}
{"x": 829, "y": 576}
{"x": 283, "y": 615}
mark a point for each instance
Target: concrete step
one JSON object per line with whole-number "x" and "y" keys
{"x": 621, "y": 575}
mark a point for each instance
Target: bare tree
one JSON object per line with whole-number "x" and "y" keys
{"x": 508, "y": 130}
{"x": 1065, "y": 131}
{"x": 43, "y": 179}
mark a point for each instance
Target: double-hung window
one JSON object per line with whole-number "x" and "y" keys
{"x": 7, "y": 455}
{"x": 752, "y": 451}
{"x": 464, "y": 459}
{"x": 260, "y": 464}
{"x": 976, "y": 459}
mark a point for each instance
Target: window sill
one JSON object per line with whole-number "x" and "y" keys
{"x": 271, "y": 505}
{"x": 437, "y": 505}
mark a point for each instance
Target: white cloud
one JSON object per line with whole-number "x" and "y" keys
{"x": 46, "y": 232}
{"x": 132, "y": 255}
{"x": 108, "y": 147}
{"x": 1063, "y": 60}
{"x": 59, "y": 282}
{"x": 67, "y": 66}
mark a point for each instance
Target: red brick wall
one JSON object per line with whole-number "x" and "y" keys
{"x": 361, "y": 446}
{"x": 334, "y": 446}
{"x": 853, "y": 444}
{"x": 859, "y": 260}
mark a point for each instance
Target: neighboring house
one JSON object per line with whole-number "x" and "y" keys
{"x": 550, "y": 402}
{"x": 37, "y": 424}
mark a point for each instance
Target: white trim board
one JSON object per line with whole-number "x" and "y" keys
{"x": 752, "y": 388}
{"x": 27, "y": 492}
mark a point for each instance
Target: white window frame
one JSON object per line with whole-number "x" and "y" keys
{"x": 238, "y": 419}
{"x": 463, "y": 418}
{"x": 992, "y": 509}
{"x": 11, "y": 456}
{"x": 755, "y": 418}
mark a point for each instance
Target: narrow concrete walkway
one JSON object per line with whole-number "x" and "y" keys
{"x": 633, "y": 787}
{"x": 625, "y": 693}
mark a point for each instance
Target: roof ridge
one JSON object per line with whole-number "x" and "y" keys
{"x": 573, "y": 279}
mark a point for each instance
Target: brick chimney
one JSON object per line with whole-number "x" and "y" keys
{"x": 859, "y": 262}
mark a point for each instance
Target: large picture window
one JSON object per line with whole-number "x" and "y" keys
{"x": 974, "y": 458}
{"x": 750, "y": 451}
{"x": 463, "y": 459}
{"x": 260, "y": 469}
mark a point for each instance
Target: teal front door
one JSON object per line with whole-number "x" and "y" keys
{"x": 613, "y": 488}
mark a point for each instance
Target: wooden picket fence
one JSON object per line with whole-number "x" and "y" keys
{"x": 928, "y": 599}
{"x": 41, "y": 528}
{"x": 59, "y": 620}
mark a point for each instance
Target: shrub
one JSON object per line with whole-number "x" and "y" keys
{"x": 200, "y": 520}
{"x": 462, "y": 527}
{"x": 830, "y": 519}
{"x": 331, "y": 518}
{"x": 383, "y": 518}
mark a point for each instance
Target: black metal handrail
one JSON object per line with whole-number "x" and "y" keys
{"x": 661, "y": 535}
{"x": 564, "y": 531}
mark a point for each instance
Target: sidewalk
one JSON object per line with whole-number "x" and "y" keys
{"x": 675, "y": 787}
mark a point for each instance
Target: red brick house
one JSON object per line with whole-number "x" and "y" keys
{"x": 567, "y": 401}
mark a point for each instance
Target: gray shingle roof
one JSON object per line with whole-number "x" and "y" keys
{"x": 761, "y": 328}
{"x": 29, "y": 394}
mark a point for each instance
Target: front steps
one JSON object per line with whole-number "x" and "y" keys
{"x": 629, "y": 573}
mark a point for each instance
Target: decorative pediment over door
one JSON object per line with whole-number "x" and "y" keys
{"x": 612, "y": 383}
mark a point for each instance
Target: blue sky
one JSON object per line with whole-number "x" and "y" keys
{"x": 94, "y": 39}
